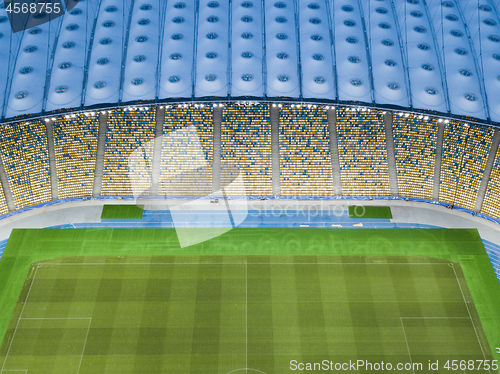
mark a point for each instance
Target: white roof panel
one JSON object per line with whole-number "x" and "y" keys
{"x": 246, "y": 54}
{"x": 8, "y": 42}
{"x": 212, "y": 54}
{"x": 389, "y": 80}
{"x": 488, "y": 47}
{"x": 103, "y": 83}
{"x": 140, "y": 78}
{"x": 66, "y": 79}
{"x": 29, "y": 75}
{"x": 422, "y": 59}
{"x": 464, "y": 92}
{"x": 318, "y": 79}
{"x": 281, "y": 50}
{"x": 177, "y": 51}
{"x": 351, "y": 51}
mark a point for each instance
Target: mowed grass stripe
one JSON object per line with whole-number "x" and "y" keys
{"x": 362, "y": 310}
{"x": 314, "y": 343}
{"x": 206, "y": 324}
{"x": 261, "y": 344}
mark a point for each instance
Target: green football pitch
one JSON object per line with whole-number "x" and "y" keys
{"x": 132, "y": 301}
{"x": 359, "y": 211}
{"x": 121, "y": 211}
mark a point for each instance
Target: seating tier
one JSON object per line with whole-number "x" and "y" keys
{"x": 362, "y": 153}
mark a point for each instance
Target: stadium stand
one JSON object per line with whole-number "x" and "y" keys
{"x": 362, "y": 153}
{"x": 187, "y": 151}
{"x": 75, "y": 145}
{"x": 415, "y": 152}
{"x": 246, "y": 149}
{"x": 26, "y": 161}
{"x": 185, "y": 167}
{"x": 128, "y": 153}
{"x": 305, "y": 160}
{"x": 465, "y": 152}
{"x": 491, "y": 203}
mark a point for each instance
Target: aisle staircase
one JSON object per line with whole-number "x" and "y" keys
{"x": 437, "y": 167}
{"x": 99, "y": 162}
{"x": 6, "y": 188}
{"x": 49, "y": 125}
{"x": 391, "y": 156}
{"x": 487, "y": 171}
{"x": 275, "y": 150}
{"x": 158, "y": 142}
{"x": 334, "y": 151}
{"x": 217, "y": 149}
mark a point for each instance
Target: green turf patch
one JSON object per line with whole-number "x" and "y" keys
{"x": 217, "y": 314}
{"x": 121, "y": 212}
{"x": 359, "y": 211}
{"x": 462, "y": 246}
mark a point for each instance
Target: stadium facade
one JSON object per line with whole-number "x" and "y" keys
{"x": 440, "y": 57}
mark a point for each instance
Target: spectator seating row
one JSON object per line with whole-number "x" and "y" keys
{"x": 465, "y": 152}
{"x": 453, "y": 150}
{"x": 128, "y": 154}
{"x": 305, "y": 159}
{"x": 491, "y": 203}
{"x": 477, "y": 148}
{"x": 362, "y": 153}
{"x": 25, "y": 157}
{"x": 246, "y": 150}
{"x": 75, "y": 147}
{"x": 186, "y": 158}
{"x": 415, "y": 154}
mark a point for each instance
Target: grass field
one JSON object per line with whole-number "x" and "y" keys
{"x": 370, "y": 212}
{"x": 120, "y": 211}
{"x": 213, "y": 314}
{"x": 356, "y": 294}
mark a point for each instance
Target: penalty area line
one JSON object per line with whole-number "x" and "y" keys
{"x": 470, "y": 316}
{"x": 19, "y": 319}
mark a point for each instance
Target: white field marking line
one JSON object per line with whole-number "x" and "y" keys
{"x": 84, "y": 345}
{"x": 56, "y": 318}
{"x": 434, "y": 317}
{"x": 19, "y": 320}
{"x": 407, "y": 346}
{"x": 401, "y": 318}
{"x": 470, "y": 316}
{"x": 248, "y": 263}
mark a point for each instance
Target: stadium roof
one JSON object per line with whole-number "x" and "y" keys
{"x": 435, "y": 55}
